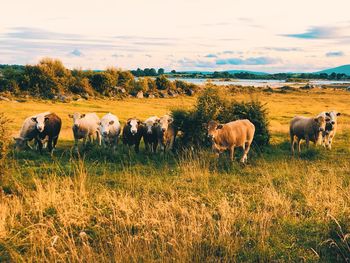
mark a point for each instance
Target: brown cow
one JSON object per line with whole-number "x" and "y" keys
{"x": 309, "y": 129}
{"x": 166, "y": 133}
{"x": 49, "y": 126}
{"x": 227, "y": 136}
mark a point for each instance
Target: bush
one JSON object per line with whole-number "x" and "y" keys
{"x": 212, "y": 105}
{"x": 140, "y": 85}
{"x": 163, "y": 83}
{"x": 185, "y": 87}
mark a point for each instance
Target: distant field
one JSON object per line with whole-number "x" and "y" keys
{"x": 191, "y": 207}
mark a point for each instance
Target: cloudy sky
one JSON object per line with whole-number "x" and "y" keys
{"x": 260, "y": 35}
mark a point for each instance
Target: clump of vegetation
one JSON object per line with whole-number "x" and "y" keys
{"x": 212, "y": 105}
{"x": 50, "y": 79}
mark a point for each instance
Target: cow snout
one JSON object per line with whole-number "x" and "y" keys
{"x": 210, "y": 136}
{"x": 40, "y": 128}
{"x": 149, "y": 131}
{"x": 321, "y": 129}
{"x": 105, "y": 133}
{"x": 76, "y": 126}
{"x": 133, "y": 132}
{"x": 163, "y": 129}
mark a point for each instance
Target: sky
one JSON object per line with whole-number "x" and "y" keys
{"x": 260, "y": 35}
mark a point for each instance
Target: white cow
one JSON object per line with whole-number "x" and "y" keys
{"x": 110, "y": 130}
{"x": 331, "y": 127}
{"x": 29, "y": 130}
{"x": 85, "y": 126}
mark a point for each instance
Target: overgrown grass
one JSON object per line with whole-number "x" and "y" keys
{"x": 186, "y": 207}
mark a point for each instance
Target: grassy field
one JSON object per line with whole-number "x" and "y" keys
{"x": 191, "y": 207}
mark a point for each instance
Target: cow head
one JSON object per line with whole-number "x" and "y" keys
{"x": 105, "y": 126}
{"x": 40, "y": 121}
{"x": 76, "y": 117}
{"x": 134, "y": 125}
{"x": 331, "y": 119}
{"x": 213, "y": 128}
{"x": 164, "y": 123}
{"x": 151, "y": 123}
{"x": 321, "y": 123}
{"x": 20, "y": 143}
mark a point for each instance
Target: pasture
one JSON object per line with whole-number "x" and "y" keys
{"x": 190, "y": 207}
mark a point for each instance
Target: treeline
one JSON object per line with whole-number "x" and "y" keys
{"x": 277, "y": 76}
{"x": 147, "y": 72}
{"x": 50, "y": 78}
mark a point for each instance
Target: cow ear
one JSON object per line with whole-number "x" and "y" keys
{"x": 128, "y": 121}
{"x": 338, "y": 113}
{"x": 15, "y": 139}
{"x": 219, "y": 126}
{"x": 328, "y": 114}
{"x": 34, "y": 119}
{"x": 170, "y": 120}
{"x": 70, "y": 115}
{"x": 82, "y": 116}
{"x": 111, "y": 122}
{"x": 46, "y": 118}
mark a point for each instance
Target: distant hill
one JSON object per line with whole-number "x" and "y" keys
{"x": 251, "y": 72}
{"x": 341, "y": 69}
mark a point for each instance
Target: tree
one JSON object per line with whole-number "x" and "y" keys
{"x": 160, "y": 71}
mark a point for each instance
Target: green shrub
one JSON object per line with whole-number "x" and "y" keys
{"x": 163, "y": 83}
{"x": 211, "y": 105}
{"x": 140, "y": 85}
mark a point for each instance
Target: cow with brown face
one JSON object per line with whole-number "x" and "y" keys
{"x": 308, "y": 129}
{"x": 48, "y": 128}
{"x": 166, "y": 133}
{"x": 132, "y": 133}
{"x": 28, "y": 131}
{"x": 228, "y": 136}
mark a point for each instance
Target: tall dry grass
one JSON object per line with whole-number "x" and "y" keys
{"x": 201, "y": 215}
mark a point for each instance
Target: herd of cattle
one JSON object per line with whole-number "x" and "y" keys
{"x": 44, "y": 129}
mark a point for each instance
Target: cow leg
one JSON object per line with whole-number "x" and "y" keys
{"x": 307, "y": 142}
{"x": 299, "y": 143}
{"x": 76, "y": 144}
{"x": 232, "y": 152}
{"x": 155, "y": 145}
{"x": 292, "y": 142}
{"x": 330, "y": 140}
{"x": 49, "y": 144}
{"x": 137, "y": 146}
{"x": 147, "y": 146}
{"x": 98, "y": 136}
{"x": 246, "y": 149}
{"x": 40, "y": 145}
{"x": 55, "y": 142}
